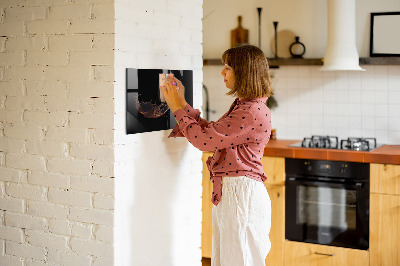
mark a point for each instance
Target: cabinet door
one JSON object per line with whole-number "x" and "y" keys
{"x": 274, "y": 168}
{"x": 385, "y": 178}
{"x": 277, "y": 233}
{"x": 206, "y": 232}
{"x": 304, "y": 254}
{"x": 384, "y": 229}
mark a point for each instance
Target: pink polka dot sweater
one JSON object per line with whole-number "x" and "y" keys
{"x": 238, "y": 139}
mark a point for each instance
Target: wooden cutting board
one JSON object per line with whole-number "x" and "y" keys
{"x": 239, "y": 35}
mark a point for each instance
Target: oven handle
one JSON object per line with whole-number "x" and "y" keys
{"x": 357, "y": 185}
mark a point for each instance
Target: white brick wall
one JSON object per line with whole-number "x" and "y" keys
{"x": 156, "y": 177}
{"x": 56, "y": 132}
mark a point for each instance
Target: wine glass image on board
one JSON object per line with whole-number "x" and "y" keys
{"x": 146, "y": 108}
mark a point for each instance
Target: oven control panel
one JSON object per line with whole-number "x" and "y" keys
{"x": 337, "y": 169}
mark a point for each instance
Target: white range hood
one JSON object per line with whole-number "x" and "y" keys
{"x": 341, "y": 51}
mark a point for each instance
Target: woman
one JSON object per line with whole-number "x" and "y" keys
{"x": 241, "y": 213}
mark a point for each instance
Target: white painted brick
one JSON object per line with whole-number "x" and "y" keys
{"x": 93, "y": 184}
{"x": 68, "y": 258}
{"x": 91, "y": 247}
{"x": 46, "y": 209}
{"x": 12, "y": 145}
{"x": 69, "y": 166}
{"x": 25, "y": 221}
{"x": 11, "y": 260}
{"x": 24, "y": 13}
{"x": 25, "y": 161}
{"x": 104, "y": 73}
{"x": 71, "y": 42}
{"x": 95, "y": 216}
{"x": 48, "y": 179}
{"x": 11, "y": 233}
{"x": 105, "y": 233}
{"x": 70, "y": 12}
{"x": 25, "y": 103}
{"x": 103, "y": 41}
{"x": 11, "y": 59}
{"x": 32, "y": 262}
{"x": 24, "y": 132}
{"x": 105, "y": 260}
{"x": 91, "y": 26}
{"x": 82, "y": 230}
{"x": 2, "y": 222}
{"x": 191, "y": 48}
{"x": 12, "y": 204}
{"x": 69, "y": 197}
{"x": 96, "y": 57}
{"x": 31, "y": 43}
{"x": 2, "y": 193}
{"x": 103, "y": 202}
{"x": 47, "y": 27}
{"x": 101, "y": 136}
{"x": 47, "y": 240}
{"x": 103, "y": 11}
{"x": 2, "y": 158}
{"x": 98, "y": 105}
{"x": 25, "y": 250}
{"x": 46, "y": 148}
{"x": 92, "y": 151}
{"x": 129, "y": 43}
{"x": 23, "y": 72}
{"x": 46, "y": 58}
{"x": 56, "y": 103}
{"x": 11, "y": 88}
{"x": 74, "y": 135}
{"x": 103, "y": 168}
{"x": 46, "y": 118}
{"x": 25, "y": 191}
{"x": 46, "y": 2}
{"x": 98, "y": 120}
{"x": 3, "y": 44}
{"x": 12, "y": 117}
{"x": 12, "y": 28}
{"x": 60, "y": 227}
{"x": 81, "y": 73}
{"x": 91, "y": 89}
{"x": 46, "y": 88}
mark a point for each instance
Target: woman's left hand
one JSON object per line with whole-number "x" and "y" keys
{"x": 170, "y": 91}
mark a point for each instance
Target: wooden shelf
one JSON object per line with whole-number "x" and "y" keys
{"x": 380, "y": 61}
{"x": 273, "y": 63}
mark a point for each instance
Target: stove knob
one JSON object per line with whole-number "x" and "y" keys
{"x": 343, "y": 168}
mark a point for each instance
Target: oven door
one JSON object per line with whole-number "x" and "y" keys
{"x": 327, "y": 213}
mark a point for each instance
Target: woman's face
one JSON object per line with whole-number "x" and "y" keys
{"x": 229, "y": 76}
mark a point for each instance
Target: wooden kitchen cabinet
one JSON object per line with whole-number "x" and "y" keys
{"x": 206, "y": 225}
{"x": 274, "y": 168}
{"x": 305, "y": 254}
{"x": 385, "y": 215}
{"x": 385, "y": 178}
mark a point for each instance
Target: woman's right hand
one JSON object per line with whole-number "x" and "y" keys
{"x": 181, "y": 91}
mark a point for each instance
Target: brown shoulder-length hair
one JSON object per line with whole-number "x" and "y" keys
{"x": 250, "y": 66}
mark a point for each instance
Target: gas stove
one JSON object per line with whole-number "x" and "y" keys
{"x": 332, "y": 142}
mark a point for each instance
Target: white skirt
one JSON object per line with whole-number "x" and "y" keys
{"x": 241, "y": 223}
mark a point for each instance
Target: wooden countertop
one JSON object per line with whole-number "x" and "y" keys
{"x": 389, "y": 154}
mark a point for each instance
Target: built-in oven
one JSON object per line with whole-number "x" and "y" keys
{"x": 327, "y": 202}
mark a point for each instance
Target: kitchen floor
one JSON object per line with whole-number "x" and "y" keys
{"x": 206, "y": 261}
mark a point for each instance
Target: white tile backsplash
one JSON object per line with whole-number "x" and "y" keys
{"x": 343, "y": 103}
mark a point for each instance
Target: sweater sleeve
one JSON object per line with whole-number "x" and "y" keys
{"x": 229, "y": 131}
{"x": 193, "y": 113}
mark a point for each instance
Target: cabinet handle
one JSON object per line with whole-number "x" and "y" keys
{"x": 325, "y": 254}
